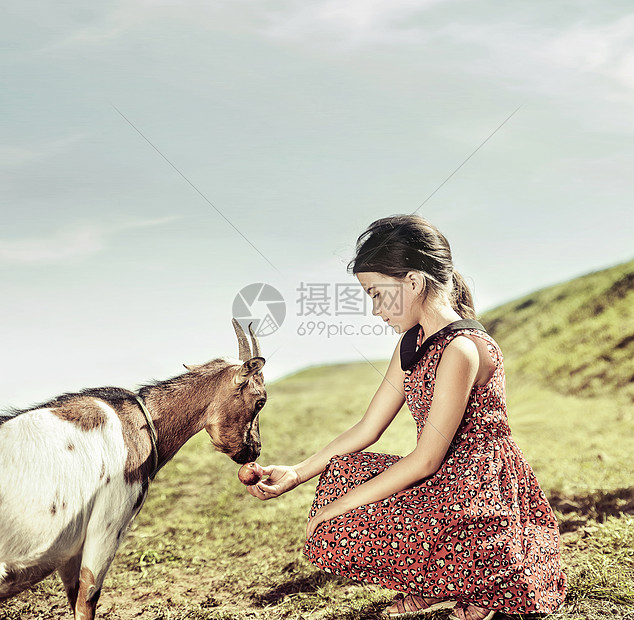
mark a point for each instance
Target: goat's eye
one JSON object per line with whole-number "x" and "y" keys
{"x": 259, "y": 404}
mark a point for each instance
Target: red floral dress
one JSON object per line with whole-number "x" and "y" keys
{"x": 480, "y": 530}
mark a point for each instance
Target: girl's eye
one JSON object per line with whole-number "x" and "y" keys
{"x": 375, "y": 295}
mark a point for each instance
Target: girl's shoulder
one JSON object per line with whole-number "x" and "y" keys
{"x": 414, "y": 344}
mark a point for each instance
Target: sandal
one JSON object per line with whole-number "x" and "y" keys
{"x": 412, "y": 604}
{"x": 474, "y": 613}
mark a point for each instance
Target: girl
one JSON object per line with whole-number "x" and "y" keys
{"x": 461, "y": 522}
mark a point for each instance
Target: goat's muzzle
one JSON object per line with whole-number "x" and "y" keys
{"x": 247, "y": 454}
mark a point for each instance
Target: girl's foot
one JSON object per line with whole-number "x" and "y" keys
{"x": 411, "y": 604}
{"x": 471, "y": 612}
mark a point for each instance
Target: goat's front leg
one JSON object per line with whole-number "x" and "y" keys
{"x": 105, "y": 531}
{"x": 80, "y": 584}
{"x": 88, "y": 595}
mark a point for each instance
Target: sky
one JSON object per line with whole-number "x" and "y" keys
{"x": 159, "y": 157}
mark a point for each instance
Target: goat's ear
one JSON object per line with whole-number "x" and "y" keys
{"x": 192, "y": 367}
{"x": 250, "y": 367}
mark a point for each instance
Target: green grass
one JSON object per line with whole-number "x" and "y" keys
{"x": 576, "y": 337}
{"x": 575, "y": 444}
{"x": 202, "y": 548}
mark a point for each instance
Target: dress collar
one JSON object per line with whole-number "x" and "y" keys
{"x": 410, "y": 355}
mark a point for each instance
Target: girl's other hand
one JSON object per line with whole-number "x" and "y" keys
{"x": 277, "y": 479}
{"x": 325, "y": 513}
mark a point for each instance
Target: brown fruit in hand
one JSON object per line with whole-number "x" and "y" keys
{"x": 250, "y": 473}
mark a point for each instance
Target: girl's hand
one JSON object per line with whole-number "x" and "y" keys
{"x": 277, "y": 479}
{"x": 323, "y": 514}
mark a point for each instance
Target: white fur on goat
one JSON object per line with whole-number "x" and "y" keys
{"x": 62, "y": 493}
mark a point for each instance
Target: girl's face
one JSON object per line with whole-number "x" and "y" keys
{"x": 396, "y": 301}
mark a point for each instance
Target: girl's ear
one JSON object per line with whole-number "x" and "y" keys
{"x": 416, "y": 280}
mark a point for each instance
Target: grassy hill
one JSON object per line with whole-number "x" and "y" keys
{"x": 203, "y": 549}
{"x": 576, "y": 337}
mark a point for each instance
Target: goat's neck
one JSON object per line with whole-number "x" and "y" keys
{"x": 177, "y": 418}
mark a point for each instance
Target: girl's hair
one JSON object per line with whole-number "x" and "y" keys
{"x": 394, "y": 246}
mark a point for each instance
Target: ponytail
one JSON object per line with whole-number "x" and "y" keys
{"x": 461, "y": 298}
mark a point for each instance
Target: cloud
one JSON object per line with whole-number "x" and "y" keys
{"x": 158, "y": 221}
{"x": 351, "y": 21}
{"x": 18, "y": 155}
{"x": 110, "y": 22}
{"x": 606, "y": 49}
{"x": 111, "y": 26}
{"x": 581, "y": 70}
{"x": 70, "y": 243}
{"x": 60, "y": 246}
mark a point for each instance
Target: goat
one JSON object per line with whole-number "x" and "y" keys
{"x": 74, "y": 472}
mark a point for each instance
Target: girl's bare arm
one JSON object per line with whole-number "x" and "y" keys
{"x": 455, "y": 377}
{"x": 383, "y": 407}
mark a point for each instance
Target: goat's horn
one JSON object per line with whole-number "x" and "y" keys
{"x": 256, "y": 344}
{"x": 244, "y": 352}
